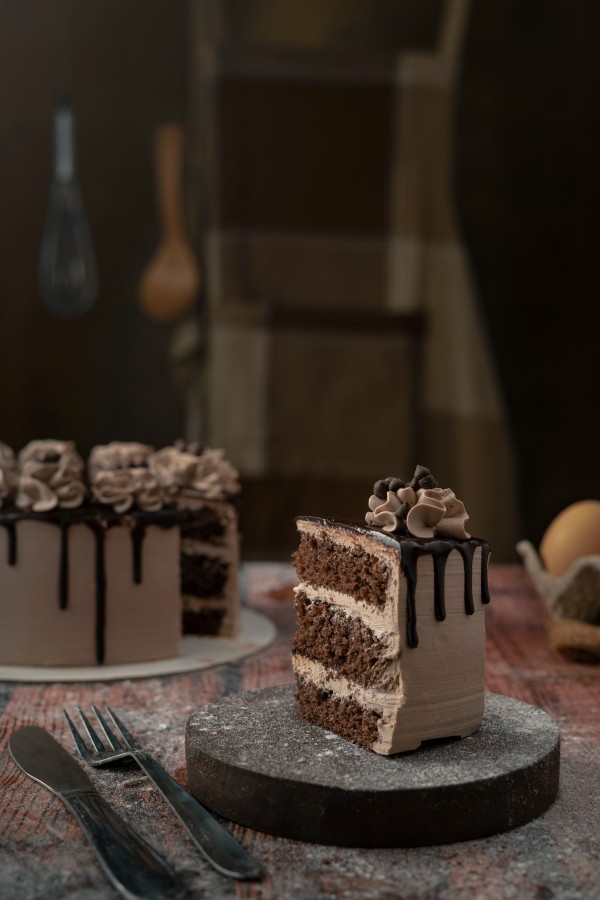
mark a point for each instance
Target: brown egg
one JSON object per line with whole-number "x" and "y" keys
{"x": 574, "y": 532}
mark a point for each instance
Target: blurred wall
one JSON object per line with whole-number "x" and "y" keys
{"x": 527, "y": 185}
{"x": 102, "y": 376}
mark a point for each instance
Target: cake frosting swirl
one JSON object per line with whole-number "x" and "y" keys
{"x": 121, "y": 477}
{"x": 9, "y": 473}
{"x": 51, "y": 474}
{"x": 420, "y": 508}
{"x": 190, "y": 472}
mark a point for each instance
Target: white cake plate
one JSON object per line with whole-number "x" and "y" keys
{"x": 256, "y": 632}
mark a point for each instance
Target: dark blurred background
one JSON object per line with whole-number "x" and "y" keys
{"x": 522, "y": 157}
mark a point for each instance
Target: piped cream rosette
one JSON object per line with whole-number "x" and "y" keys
{"x": 120, "y": 477}
{"x": 50, "y": 476}
{"x": 185, "y": 473}
{"x": 420, "y": 508}
{"x": 9, "y": 473}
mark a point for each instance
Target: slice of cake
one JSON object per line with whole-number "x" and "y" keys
{"x": 390, "y": 640}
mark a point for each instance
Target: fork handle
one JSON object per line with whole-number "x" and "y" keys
{"x": 214, "y": 842}
{"x": 132, "y": 865}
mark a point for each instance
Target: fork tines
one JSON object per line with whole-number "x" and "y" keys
{"x": 99, "y": 747}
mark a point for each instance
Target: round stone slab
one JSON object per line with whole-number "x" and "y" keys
{"x": 253, "y": 759}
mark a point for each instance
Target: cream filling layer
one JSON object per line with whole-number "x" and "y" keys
{"x": 194, "y": 547}
{"x": 387, "y": 703}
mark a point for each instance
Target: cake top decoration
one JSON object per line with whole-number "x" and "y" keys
{"x": 50, "y": 475}
{"x": 420, "y": 508}
{"x": 119, "y": 455}
{"x": 9, "y": 473}
{"x": 121, "y": 477}
{"x": 191, "y": 471}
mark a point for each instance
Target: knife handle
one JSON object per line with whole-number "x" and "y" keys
{"x": 133, "y": 866}
{"x": 215, "y": 843}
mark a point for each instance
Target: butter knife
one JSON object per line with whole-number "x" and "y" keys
{"x": 135, "y": 869}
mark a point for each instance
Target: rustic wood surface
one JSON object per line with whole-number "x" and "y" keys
{"x": 43, "y": 854}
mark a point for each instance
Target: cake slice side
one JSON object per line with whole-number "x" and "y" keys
{"x": 346, "y": 647}
{"x": 210, "y": 559}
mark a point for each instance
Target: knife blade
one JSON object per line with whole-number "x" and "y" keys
{"x": 133, "y": 866}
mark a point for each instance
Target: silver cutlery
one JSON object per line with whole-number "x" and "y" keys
{"x": 132, "y": 865}
{"x": 214, "y": 842}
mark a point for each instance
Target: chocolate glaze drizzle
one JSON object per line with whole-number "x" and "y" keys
{"x": 410, "y": 551}
{"x": 98, "y": 519}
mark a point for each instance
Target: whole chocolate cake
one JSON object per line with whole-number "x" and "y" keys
{"x": 95, "y": 559}
{"x": 390, "y": 642}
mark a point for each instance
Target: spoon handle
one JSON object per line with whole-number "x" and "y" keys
{"x": 168, "y": 150}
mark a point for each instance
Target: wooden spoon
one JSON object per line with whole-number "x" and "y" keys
{"x": 169, "y": 286}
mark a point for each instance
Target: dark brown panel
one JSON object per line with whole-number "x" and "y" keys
{"x": 304, "y": 156}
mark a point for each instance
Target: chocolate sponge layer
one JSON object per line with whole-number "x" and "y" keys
{"x": 206, "y": 524}
{"x": 346, "y": 717}
{"x": 203, "y": 576}
{"x": 342, "y": 643}
{"x": 323, "y": 563}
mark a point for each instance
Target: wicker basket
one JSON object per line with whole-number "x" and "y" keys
{"x": 572, "y": 603}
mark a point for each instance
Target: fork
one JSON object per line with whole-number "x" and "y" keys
{"x": 214, "y": 842}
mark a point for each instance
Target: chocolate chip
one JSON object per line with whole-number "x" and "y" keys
{"x": 396, "y": 484}
{"x": 403, "y": 511}
{"x": 428, "y": 481}
{"x": 380, "y": 488}
{"x": 420, "y": 472}
{"x": 400, "y": 520}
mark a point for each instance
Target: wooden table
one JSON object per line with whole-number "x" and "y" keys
{"x": 44, "y": 855}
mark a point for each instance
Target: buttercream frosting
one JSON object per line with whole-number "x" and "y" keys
{"x": 50, "y": 475}
{"x": 119, "y": 455}
{"x": 120, "y": 476}
{"x": 184, "y": 472}
{"x": 9, "y": 473}
{"x": 420, "y": 508}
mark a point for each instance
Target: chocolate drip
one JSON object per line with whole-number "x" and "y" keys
{"x": 63, "y": 576}
{"x": 11, "y": 533}
{"x": 99, "y": 534}
{"x": 138, "y": 532}
{"x": 165, "y": 518}
{"x": 467, "y": 552}
{"x": 485, "y": 588}
{"x": 440, "y": 550}
{"x": 439, "y": 598}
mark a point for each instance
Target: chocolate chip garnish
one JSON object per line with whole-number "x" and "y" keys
{"x": 403, "y": 511}
{"x": 396, "y": 484}
{"x": 428, "y": 481}
{"x": 420, "y": 472}
{"x": 380, "y": 488}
